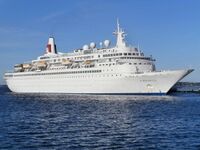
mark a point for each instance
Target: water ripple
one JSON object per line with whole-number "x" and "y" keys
{"x": 52, "y": 121}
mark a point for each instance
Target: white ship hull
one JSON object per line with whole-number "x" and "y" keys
{"x": 144, "y": 83}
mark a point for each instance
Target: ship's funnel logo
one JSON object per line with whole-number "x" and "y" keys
{"x": 51, "y": 46}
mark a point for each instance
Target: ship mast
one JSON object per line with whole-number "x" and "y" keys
{"x": 120, "y": 34}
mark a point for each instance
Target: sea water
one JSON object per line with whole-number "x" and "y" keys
{"x": 62, "y": 121}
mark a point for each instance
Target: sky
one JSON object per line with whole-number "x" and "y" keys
{"x": 169, "y": 30}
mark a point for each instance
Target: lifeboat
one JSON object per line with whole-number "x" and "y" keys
{"x": 41, "y": 64}
{"x": 27, "y": 66}
{"x": 66, "y": 62}
{"x": 18, "y": 67}
{"x": 87, "y": 62}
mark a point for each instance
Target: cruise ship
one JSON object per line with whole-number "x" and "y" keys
{"x": 106, "y": 69}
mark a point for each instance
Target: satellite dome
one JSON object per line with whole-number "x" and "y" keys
{"x": 92, "y": 45}
{"x": 85, "y": 47}
{"x": 106, "y": 43}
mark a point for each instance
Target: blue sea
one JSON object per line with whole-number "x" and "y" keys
{"x": 98, "y": 122}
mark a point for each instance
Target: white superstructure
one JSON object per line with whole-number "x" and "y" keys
{"x": 121, "y": 69}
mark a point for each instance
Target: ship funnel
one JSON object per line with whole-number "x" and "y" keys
{"x": 51, "y": 46}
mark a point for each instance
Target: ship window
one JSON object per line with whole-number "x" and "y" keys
{"x": 125, "y": 53}
{"x": 120, "y": 54}
{"x": 129, "y": 53}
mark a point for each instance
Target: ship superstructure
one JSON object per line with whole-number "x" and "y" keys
{"x": 121, "y": 69}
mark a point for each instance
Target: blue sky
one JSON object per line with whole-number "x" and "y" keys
{"x": 167, "y": 29}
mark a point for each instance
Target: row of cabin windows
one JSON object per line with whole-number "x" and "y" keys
{"x": 108, "y": 50}
{"x": 8, "y": 75}
{"x": 129, "y": 64}
{"x": 108, "y": 75}
{"x": 84, "y": 57}
{"x": 120, "y": 54}
{"x": 72, "y": 67}
{"x": 144, "y": 58}
{"x": 55, "y": 73}
{"x": 106, "y": 64}
{"x": 82, "y": 76}
{"x": 139, "y": 63}
{"x": 76, "y": 58}
{"x": 89, "y": 76}
{"x": 105, "y": 55}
